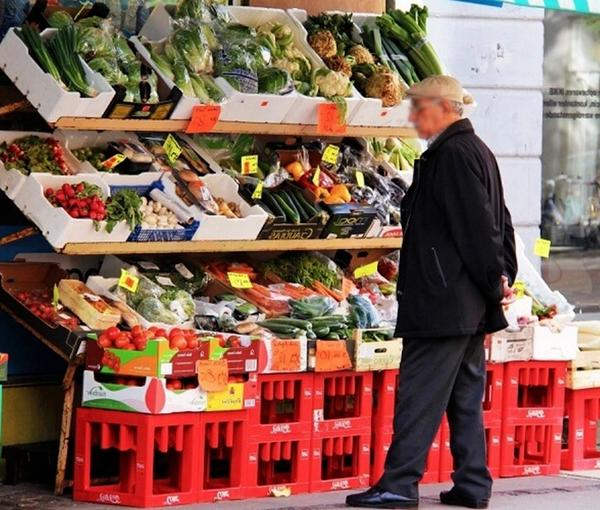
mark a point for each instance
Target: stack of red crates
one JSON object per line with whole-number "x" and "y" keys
{"x": 492, "y": 423}
{"x": 580, "y": 445}
{"x": 533, "y": 404}
{"x": 385, "y": 386}
{"x": 341, "y": 435}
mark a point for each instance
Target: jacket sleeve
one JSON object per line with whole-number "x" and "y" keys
{"x": 510, "y": 255}
{"x": 464, "y": 199}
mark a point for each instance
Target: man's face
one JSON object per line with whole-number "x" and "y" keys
{"x": 429, "y": 116}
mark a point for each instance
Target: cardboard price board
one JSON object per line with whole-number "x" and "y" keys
{"x": 366, "y": 270}
{"x": 128, "y": 281}
{"x": 172, "y": 148}
{"x": 113, "y": 161}
{"x": 329, "y": 119}
{"x": 286, "y": 355}
{"x": 331, "y": 355}
{"x": 239, "y": 280}
{"x": 204, "y": 118}
{"x": 213, "y": 374}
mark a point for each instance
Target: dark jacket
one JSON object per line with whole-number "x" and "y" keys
{"x": 458, "y": 240}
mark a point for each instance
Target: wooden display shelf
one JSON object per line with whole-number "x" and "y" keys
{"x": 252, "y": 128}
{"x": 377, "y": 243}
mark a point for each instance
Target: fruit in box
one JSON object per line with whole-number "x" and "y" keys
{"x": 89, "y": 307}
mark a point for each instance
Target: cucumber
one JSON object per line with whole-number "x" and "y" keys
{"x": 266, "y": 208}
{"x": 273, "y": 204}
{"x": 304, "y": 216}
{"x": 289, "y": 202}
{"x": 308, "y": 207}
{"x": 322, "y": 332}
{"x": 286, "y": 321}
{"x": 282, "y": 329}
{"x": 289, "y": 212}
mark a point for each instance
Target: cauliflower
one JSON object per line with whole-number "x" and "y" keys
{"x": 386, "y": 85}
{"x": 291, "y": 66}
{"x": 332, "y": 83}
{"x": 323, "y": 43}
{"x": 361, "y": 54}
{"x": 337, "y": 63}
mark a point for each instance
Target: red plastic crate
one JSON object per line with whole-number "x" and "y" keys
{"x": 223, "y": 455}
{"x": 385, "y": 384}
{"x": 135, "y": 459}
{"x": 342, "y": 402}
{"x": 284, "y": 407}
{"x": 493, "y": 442}
{"x": 275, "y": 464}
{"x": 534, "y": 390}
{"x": 340, "y": 462}
{"x": 530, "y": 448}
{"x": 580, "y": 446}
{"x": 492, "y": 398}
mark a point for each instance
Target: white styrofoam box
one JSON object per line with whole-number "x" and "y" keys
{"x": 238, "y": 106}
{"x": 55, "y": 223}
{"x": 11, "y": 181}
{"x": 490, "y": 53}
{"x": 509, "y": 121}
{"x": 522, "y": 180}
{"x": 218, "y": 227}
{"x": 520, "y": 307}
{"x": 43, "y": 91}
{"x": 444, "y": 8}
{"x": 560, "y": 344}
{"x": 102, "y": 286}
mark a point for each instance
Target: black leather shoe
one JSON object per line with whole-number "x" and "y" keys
{"x": 454, "y": 498}
{"x": 379, "y": 498}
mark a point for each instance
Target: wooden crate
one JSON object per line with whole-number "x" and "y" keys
{"x": 312, "y": 7}
{"x": 584, "y": 371}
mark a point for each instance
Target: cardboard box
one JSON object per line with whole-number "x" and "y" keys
{"x": 237, "y": 396}
{"x": 348, "y": 220}
{"x": 241, "y": 359}
{"x": 510, "y": 346}
{"x": 150, "y": 397}
{"x": 369, "y": 356}
{"x": 269, "y": 348}
{"x": 555, "y": 344}
{"x": 27, "y": 276}
{"x": 45, "y": 94}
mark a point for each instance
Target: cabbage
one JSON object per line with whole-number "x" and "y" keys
{"x": 59, "y": 19}
{"x": 153, "y": 310}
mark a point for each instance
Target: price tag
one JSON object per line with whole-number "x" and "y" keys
{"x": 360, "y": 179}
{"x": 113, "y": 161}
{"x": 257, "y": 194}
{"x": 172, "y": 148}
{"x": 328, "y": 119}
{"x": 249, "y": 164}
{"x": 213, "y": 374}
{"x": 519, "y": 288}
{"x": 165, "y": 280}
{"x": 317, "y": 177}
{"x": 541, "y": 248}
{"x": 148, "y": 266}
{"x": 55, "y": 296}
{"x": 128, "y": 281}
{"x": 331, "y": 153}
{"x": 239, "y": 280}
{"x": 204, "y": 118}
{"x": 184, "y": 271}
{"x": 331, "y": 355}
{"x": 366, "y": 270}
{"x": 286, "y": 355}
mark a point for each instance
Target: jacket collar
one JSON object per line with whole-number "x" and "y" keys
{"x": 459, "y": 127}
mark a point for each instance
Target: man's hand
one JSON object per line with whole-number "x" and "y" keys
{"x": 509, "y": 295}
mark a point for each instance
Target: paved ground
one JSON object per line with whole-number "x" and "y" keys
{"x": 572, "y": 492}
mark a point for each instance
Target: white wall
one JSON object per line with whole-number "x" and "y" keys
{"x": 497, "y": 53}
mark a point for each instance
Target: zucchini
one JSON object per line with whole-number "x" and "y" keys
{"x": 308, "y": 207}
{"x": 286, "y": 321}
{"x": 304, "y": 217}
{"x": 266, "y": 208}
{"x": 273, "y": 204}
{"x": 322, "y": 332}
{"x": 281, "y": 329}
{"x": 289, "y": 212}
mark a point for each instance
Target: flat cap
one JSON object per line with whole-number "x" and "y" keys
{"x": 438, "y": 87}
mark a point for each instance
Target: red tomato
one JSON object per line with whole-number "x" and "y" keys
{"x": 104, "y": 341}
{"x": 180, "y": 343}
{"x": 137, "y": 330}
{"x": 141, "y": 345}
{"x": 176, "y": 384}
{"x": 112, "y": 333}
{"x": 152, "y": 329}
{"x": 129, "y": 346}
{"x": 160, "y": 333}
{"x": 222, "y": 342}
{"x": 175, "y": 332}
{"x": 234, "y": 341}
{"x": 121, "y": 341}
{"x": 192, "y": 343}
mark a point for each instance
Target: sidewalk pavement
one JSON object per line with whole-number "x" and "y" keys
{"x": 580, "y": 491}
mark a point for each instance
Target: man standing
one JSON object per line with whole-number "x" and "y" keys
{"x": 457, "y": 258}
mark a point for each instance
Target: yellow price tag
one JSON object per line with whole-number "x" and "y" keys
{"x": 113, "y": 161}
{"x": 330, "y": 154}
{"x": 172, "y": 148}
{"x": 55, "y": 296}
{"x": 239, "y": 280}
{"x": 317, "y": 177}
{"x": 366, "y": 270}
{"x": 128, "y": 281}
{"x": 249, "y": 164}
{"x": 541, "y": 248}
{"x": 519, "y": 288}
{"x": 257, "y": 195}
{"x": 360, "y": 179}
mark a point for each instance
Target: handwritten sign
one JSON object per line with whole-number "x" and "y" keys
{"x": 331, "y": 355}
{"x": 239, "y": 280}
{"x": 366, "y": 270}
{"x": 172, "y": 148}
{"x": 128, "y": 281}
{"x": 541, "y": 248}
{"x": 285, "y": 356}
{"x": 330, "y": 154}
{"x": 213, "y": 374}
{"x": 360, "y": 179}
{"x": 249, "y": 164}
{"x": 329, "y": 120}
{"x": 204, "y": 118}
{"x": 257, "y": 193}
{"x": 113, "y": 161}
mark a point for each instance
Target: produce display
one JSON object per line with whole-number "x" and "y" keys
{"x": 34, "y": 154}
{"x": 82, "y": 200}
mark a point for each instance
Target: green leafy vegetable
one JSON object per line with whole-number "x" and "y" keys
{"x": 124, "y": 206}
